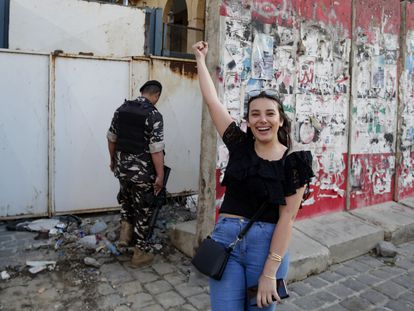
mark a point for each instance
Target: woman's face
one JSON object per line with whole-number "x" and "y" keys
{"x": 264, "y": 119}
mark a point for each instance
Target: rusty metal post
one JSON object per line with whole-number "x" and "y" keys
{"x": 52, "y": 135}
{"x": 208, "y": 150}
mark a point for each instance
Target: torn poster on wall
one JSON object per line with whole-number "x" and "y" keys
{"x": 374, "y": 106}
{"x": 262, "y": 57}
{"x": 306, "y": 60}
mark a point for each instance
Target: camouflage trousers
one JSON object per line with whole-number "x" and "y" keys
{"x": 135, "y": 200}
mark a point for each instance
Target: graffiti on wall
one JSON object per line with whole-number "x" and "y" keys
{"x": 272, "y": 44}
{"x": 374, "y": 105}
{"x": 302, "y": 50}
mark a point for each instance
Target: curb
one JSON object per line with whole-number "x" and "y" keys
{"x": 332, "y": 238}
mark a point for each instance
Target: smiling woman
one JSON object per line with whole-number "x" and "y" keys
{"x": 266, "y": 119}
{"x": 260, "y": 172}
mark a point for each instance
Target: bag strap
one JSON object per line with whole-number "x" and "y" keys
{"x": 233, "y": 244}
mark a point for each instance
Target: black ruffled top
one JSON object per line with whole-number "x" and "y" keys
{"x": 251, "y": 180}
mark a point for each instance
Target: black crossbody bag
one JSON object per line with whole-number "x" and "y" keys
{"x": 211, "y": 257}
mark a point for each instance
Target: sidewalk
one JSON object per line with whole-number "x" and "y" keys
{"x": 362, "y": 283}
{"x": 322, "y": 241}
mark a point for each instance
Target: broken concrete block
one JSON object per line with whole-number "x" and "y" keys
{"x": 386, "y": 249}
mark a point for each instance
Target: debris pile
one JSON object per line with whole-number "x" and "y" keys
{"x": 71, "y": 242}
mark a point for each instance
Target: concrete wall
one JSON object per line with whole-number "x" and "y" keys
{"x": 374, "y": 104}
{"x": 76, "y": 26}
{"x": 405, "y": 142}
{"x": 306, "y": 49}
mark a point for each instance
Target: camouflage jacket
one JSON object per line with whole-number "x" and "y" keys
{"x": 138, "y": 168}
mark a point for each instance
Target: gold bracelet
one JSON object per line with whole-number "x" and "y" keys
{"x": 275, "y": 257}
{"x": 269, "y": 277}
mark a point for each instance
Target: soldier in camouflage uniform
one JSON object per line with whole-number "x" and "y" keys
{"x": 136, "y": 148}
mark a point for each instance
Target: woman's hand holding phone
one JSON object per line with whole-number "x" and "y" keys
{"x": 281, "y": 290}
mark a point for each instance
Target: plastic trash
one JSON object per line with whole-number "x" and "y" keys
{"x": 35, "y": 270}
{"x": 89, "y": 261}
{"x": 37, "y": 266}
{"x": 58, "y": 243}
{"x": 89, "y": 241}
{"x": 99, "y": 226}
{"x": 111, "y": 247}
{"x": 61, "y": 226}
{"x": 19, "y": 225}
{"x": 70, "y": 219}
{"x": 42, "y": 224}
{"x": 5, "y": 275}
{"x": 53, "y": 232}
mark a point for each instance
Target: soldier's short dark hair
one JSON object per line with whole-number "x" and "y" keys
{"x": 151, "y": 87}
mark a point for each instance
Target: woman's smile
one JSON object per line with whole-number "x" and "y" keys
{"x": 264, "y": 119}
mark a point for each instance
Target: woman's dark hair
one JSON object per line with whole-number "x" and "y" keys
{"x": 283, "y": 134}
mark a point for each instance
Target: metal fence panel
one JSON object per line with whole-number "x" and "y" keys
{"x": 180, "y": 105}
{"x": 23, "y": 134}
{"x": 87, "y": 92}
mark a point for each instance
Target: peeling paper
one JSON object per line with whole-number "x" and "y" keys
{"x": 306, "y": 76}
{"x": 262, "y": 57}
{"x": 410, "y": 41}
{"x": 307, "y": 63}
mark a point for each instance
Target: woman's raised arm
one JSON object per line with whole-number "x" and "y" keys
{"x": 218, "y": 112}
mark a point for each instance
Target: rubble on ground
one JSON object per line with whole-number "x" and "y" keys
{"x": 84, "y": 243}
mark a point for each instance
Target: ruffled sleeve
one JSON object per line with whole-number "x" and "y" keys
{"x": 298, "y": 171}
{"x": 233, "y": 136}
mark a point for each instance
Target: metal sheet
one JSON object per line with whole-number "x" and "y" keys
{"x": 23, "y": 134}
{"x": 140, "y": 74}
{"x": 180, "y": 105}
{"x": 87, "y": 92}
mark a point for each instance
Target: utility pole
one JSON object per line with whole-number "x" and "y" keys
{"x": 208, "y": 150}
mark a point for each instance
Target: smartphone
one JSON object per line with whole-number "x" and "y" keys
{"x": 281, "y": 291}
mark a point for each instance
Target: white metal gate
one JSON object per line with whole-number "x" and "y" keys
{"x": 24, "y": 92}
{"x": 87, "y": 92}
{"x": 54, "y": 115}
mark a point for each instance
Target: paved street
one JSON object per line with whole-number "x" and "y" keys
{"x": 364, "y": 283}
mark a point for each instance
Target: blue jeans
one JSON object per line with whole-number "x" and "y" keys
{"x": 245, "y": 264}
